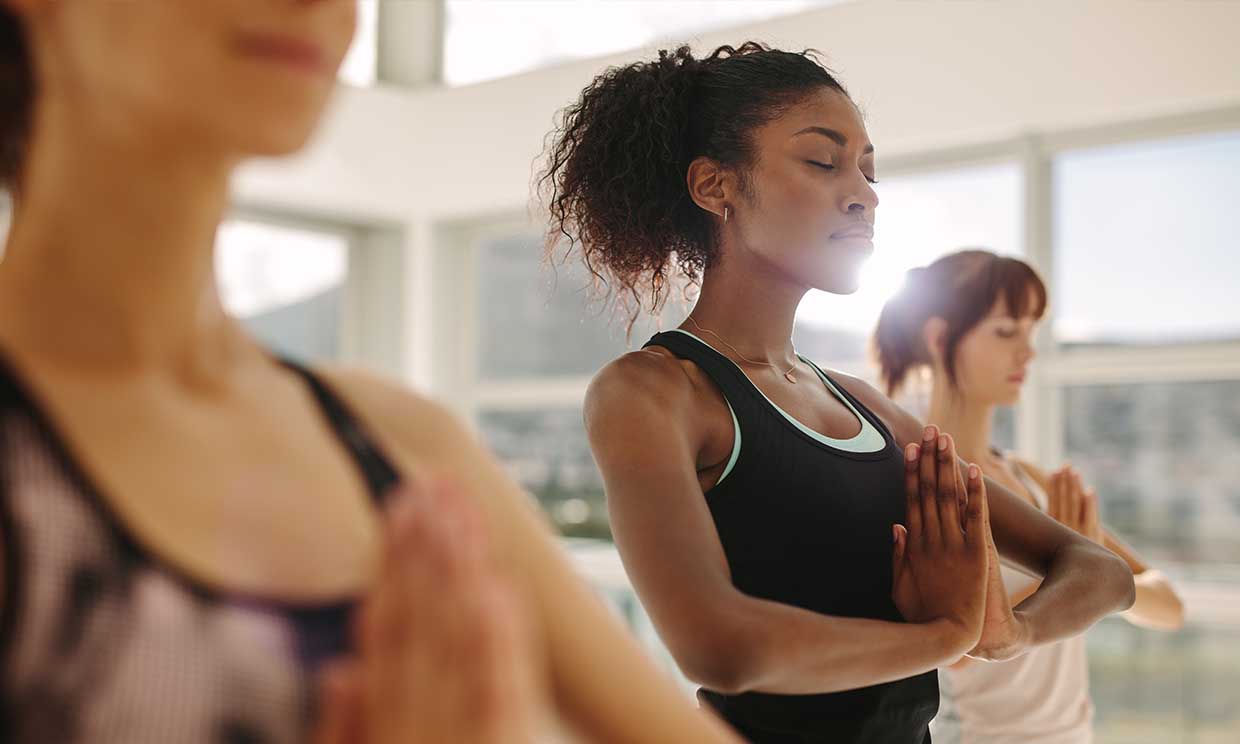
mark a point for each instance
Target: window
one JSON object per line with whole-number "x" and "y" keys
{"x": 487, "y": 39}
{"x": 538, "y": 320}
{"x": 547, "y": 452}
{"x": 1145, "y": 242}
{"x": 286, "y": 284}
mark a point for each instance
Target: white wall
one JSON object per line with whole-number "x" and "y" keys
{"x": 929, "y": 74}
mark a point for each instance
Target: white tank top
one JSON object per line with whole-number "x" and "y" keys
{"x": 1041, "y": 697}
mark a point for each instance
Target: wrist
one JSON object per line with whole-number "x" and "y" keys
{"x": 950, "y": 639}
{"x": 1020, "y": 641}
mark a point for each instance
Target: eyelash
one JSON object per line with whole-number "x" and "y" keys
{"x": 827, "y": 167}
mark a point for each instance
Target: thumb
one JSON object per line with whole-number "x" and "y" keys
{"x": 339, "y": 716}
{"x": 900, "y": 537}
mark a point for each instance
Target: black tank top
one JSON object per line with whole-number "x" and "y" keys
{"x": 808, "y": 524}
{"x": 102, "y": 641}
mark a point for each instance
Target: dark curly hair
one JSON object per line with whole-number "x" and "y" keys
{"x": 16, "y": 93}
{"x": 961, "y": 288}
{"x": 614, "y": 180}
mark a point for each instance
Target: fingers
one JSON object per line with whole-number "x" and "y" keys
{"x": 1056, "y": 497}
{"x": 928, "y": 487}
{"x": 510, "y": 700}
{"x": 340, "y": 719}
{"x": 948, "y": 497}
{"x": 899, "y": 536}
{"x": 1089, "y": 517}
{"x": 977, "y": 516}
{"x": 912, "y": 492}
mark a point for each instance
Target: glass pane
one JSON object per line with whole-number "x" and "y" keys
{"x": 285, "y": 284}
{"x": 487, "y": 39}
{"x": 1163, "y": 459}
{"x": 547, "y": 452}
{"x": 361, "y": 64}
{"x": 1164, "y": 688}
{"x": 920, "y": 218}
{"x": 538, "y": 320}
{"x": 1130, "y": 216}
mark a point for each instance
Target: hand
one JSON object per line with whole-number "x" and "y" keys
{"x": 1004, "y": 632}
{"x": 1073, "y": 505}
{"x": 446, "y": 648}
{"x": 938, "y": 568}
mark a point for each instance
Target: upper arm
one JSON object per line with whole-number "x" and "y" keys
{"x": 590, "y": 654}
{"x": 1023, "y": 534}
{"x": 641, "y": 423}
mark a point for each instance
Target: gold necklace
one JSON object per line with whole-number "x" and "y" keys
{"x": 790, "y": 375}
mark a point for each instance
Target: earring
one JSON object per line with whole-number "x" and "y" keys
{"x": 725, "y": 215}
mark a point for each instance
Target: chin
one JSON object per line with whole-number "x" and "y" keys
{"x": 281, "y": 138}
{"x": 839, "y": 285}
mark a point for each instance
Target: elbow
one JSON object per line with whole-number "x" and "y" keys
{"x": 1119, "y": 575}
{"x": 721, "y": 662}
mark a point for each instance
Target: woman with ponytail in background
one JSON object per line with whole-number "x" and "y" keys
{"x": 809, "y": 552}
{"x": 969, "y": 318}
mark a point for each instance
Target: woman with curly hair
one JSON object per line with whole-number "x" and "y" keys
{"x": 809, "y": 552}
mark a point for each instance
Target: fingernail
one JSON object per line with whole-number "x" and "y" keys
{"x": 928, "y": 434}
{"x": 943, "y": 443}
{"x": 912, "y": 452}
{"x": 974, "y": 472}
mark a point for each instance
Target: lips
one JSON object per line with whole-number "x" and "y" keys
{"x": 285, "y": 50}
{"x": 860, "y": 230}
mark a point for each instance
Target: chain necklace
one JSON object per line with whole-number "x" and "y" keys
{"x": 790, "y": 375}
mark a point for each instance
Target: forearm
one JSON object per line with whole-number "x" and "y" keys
{"x": 1157, "y": 606}
{"x": 1084, "y": 583}
{"x": 788, "y": 650}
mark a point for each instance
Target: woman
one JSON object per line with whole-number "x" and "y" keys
{"x": 755, "y": 498}
{"x": 970, "y": 319}
{"x": 188, "y": 523}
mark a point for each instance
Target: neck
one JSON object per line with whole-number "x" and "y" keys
{"x": 751, "y": 310}
{"x": 110, "y": 257}
{"x": 968, "y": 423}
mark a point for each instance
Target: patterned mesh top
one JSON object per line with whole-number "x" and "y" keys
{"x": 102, "y": 641}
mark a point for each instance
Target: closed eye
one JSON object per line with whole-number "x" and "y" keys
{"x": 829, "y": 167}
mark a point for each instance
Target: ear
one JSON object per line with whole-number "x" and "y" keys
{"x": 934, "y": 336}
{"x": 711, "y": 186}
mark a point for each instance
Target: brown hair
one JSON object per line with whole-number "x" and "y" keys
{"x": 16, "y": 97}
{"x": 961, "y": 288}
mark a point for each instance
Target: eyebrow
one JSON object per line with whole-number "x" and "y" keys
{"x": 832, "y": 135}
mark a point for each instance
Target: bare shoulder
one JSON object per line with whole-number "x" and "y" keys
{"x": 414, "y": 429}
{"x": 649, "y": 376}
{"x": 1033, "y": 471}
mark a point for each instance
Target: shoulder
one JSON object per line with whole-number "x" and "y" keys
{"x": 649, "y": 377}
{"x": 1036, "y": 473}
{"x": 412, "y": 428}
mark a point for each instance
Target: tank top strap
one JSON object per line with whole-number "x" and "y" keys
{"x": 376, "y": 468}
{"x": 731, "y": 381}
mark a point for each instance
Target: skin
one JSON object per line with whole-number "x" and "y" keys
{"x": 109, "y": 312}
{"x": 992, "y": 363}
{"x": 661, "y": 434}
